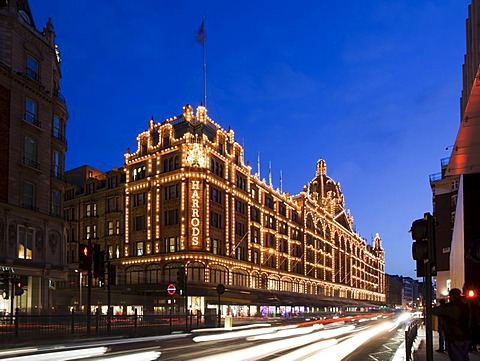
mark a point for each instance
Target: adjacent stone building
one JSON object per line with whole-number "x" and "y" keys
{"x": 33, "y": 116}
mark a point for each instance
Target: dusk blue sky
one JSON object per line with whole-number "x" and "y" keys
{"x": 372, "y": 87}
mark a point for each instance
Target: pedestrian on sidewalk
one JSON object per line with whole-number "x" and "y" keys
{"x": 455, "y": 324}
{"x": 441, "y": 339}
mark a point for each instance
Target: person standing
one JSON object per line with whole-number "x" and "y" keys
{"x": 441, "y": 339}
{"x": 456, "y": 325}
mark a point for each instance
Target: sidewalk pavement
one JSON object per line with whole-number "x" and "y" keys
{"x": 420, "y": 353}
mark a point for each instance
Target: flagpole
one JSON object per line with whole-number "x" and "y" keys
{"x": 204, "y": 65}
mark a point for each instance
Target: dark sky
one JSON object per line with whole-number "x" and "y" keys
{"x": 372, "y": 87}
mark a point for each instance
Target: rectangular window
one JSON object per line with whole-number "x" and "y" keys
{"x": 255, "y": 235}
{"x": 28, "y": 195}
{"x": 25, "y": 242}
{"x": 110, "y": 228}
{"x": 241, "y": 182}
{"x": 255, "y": 257}
{"x": 110, "y": 252}
{"x": 91, "y": 209}
{"x": 139, "y": 248}
{"x": 55, "y": 204}
{"x": 282, "y": 209}
{"x": 139, "y": 223}
{"x": 117, "y": 251}
{"x": 255, "y": 215}
{"x": 171, "y": 217}
{"x": 32, "y": 68}
{"x": 239, "y": 229}
{"x": 269, "y": 201}
{"x": 138, "y": 199}
{"x": 30, "y": 152}
{"x": 172, "y": 244}
{"x": 56, "y": 164}
{"x": 117, "y": 227}
{"x": 215, "y": 246}
{"x": 171, "y": 192}
{"x": 112, "y": 182}
{"x": 216, "y": 195}
{"x": 215, "y": 220}
{"x": 91, "y": 232}
{"x": 31, "y": 111}
{"x": 139, "y": 173}
{"x": 90, "y": 188}
{"x": 57, "y": 127}
{"x": 239, "y": 206}
{"x": 111, "y": 204}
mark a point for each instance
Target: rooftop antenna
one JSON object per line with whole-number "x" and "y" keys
{"x": 258, "y": 165}
{"x": 202, "y": 39}
{"x": 270, "y": 173}
{"x": 281, "y": 182}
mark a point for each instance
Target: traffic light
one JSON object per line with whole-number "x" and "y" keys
{"x": 181, "y": 280}
{"x": 112, "y": 275}
{"x": 424, "y": 247}
{"x": 18, "y": 288}
{"x": 472, "y": 251}
{"x": 84, "y": 257}
{"x": 5, "y": 285}
{"x": 98, "y": 262}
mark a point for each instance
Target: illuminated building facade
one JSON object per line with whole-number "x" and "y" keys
{"x": 191, "y": 202}
{"x": 33, "y": 117}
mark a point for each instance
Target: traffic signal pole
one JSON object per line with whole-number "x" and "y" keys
{"x": 89, "y": 285}
{"x": 424, "y": 252}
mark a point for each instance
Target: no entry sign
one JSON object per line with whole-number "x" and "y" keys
{"x": 171, "y": 289}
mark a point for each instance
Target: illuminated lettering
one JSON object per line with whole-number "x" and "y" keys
{"x": 195, "y": 213}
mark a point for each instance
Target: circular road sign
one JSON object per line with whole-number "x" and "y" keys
{"x": 171, "y": 289}
{"x": 220, "y": 289}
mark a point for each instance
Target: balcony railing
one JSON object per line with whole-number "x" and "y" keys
{"x": 30, "y": 206}
{"x": 59, "y": 96}
{"x": 58, "y": 136}
{"x": 32, "y": 119}
{"x": 444, "y": 161}
{"x": 31, "y": 163}
{"x": 435, "y": 177}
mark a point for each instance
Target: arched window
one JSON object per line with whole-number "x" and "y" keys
{"x": 170, "y": 271}
{"x": 240, "y": 278}
{"x": 287, "y": 285}
{"x": 218, "y": 274}
{"x": 196, "y": 272}
{"x": 327, "y": 233}
{"x": 319, "y": 230}
{"x": 154, "y": 274}
{"x": 134, "y": 275}
{"x": 274, "y": 283}
{"x": 255, "y": 283}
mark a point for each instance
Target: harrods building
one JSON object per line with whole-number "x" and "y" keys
{"x": 187, "y": 199}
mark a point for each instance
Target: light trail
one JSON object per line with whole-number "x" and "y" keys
{"x": 269, "y": 348}
{"x": 61, "y": 355}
